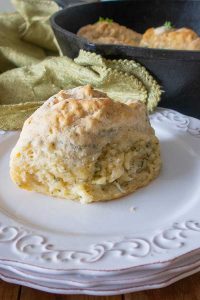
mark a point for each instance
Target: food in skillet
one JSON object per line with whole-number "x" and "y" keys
{"x": 82, "y": 145}
{"x": 105, "y": 31}
{"x": 165, "y": 37}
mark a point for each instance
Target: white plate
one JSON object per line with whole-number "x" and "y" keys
{"x": 142, "y": 233}
{"x": 161, "y": 281}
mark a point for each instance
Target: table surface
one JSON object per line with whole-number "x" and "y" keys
{"x": 186, "y": 289}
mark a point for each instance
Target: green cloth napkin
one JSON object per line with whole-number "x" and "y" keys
{"x": 30, "y": 76}
{"x": 26, "y": 36}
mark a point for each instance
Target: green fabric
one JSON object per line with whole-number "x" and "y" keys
{"x": 15, "y": 52}
{"x": 36, "y": 28}
{"x": 26, "y": 36}
{"x": 32, "y": 76}
{"x": 12, "y": 117}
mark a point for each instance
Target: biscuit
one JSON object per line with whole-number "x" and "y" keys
{"x": 84, "y": 146}
{"x": 110, "y": 33}
{"x": 164, "y": 38}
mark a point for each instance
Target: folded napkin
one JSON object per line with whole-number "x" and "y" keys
{"x": 30, "y": 74}
{"x": 26, "y": 36}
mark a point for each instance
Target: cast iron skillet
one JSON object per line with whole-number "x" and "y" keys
{"x": 177, "y": 71}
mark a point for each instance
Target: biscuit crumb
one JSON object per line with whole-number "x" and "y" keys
{"x": 132, "y": 209}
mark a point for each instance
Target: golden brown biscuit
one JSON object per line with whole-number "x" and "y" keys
{"x": 169, "y": 38}
{"x": 110, "y": 33}
{"x": 82, "y": 145}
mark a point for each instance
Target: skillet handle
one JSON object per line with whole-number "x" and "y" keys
{"x": 65, "y": 3}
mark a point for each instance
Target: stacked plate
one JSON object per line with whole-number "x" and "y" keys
{"x": 146, "y": 240}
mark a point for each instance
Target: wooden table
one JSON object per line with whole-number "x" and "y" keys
{"x": 186, "y": 289}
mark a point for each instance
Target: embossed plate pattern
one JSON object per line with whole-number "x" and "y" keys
{"x": 149, "y": 238}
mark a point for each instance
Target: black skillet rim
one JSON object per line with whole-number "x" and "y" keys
{"x": 139, "y": 52}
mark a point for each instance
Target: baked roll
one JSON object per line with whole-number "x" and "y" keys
{"x": 82, "y": 145}
{"x": 110, "y": 33}
{"x": 170, "y": 38}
